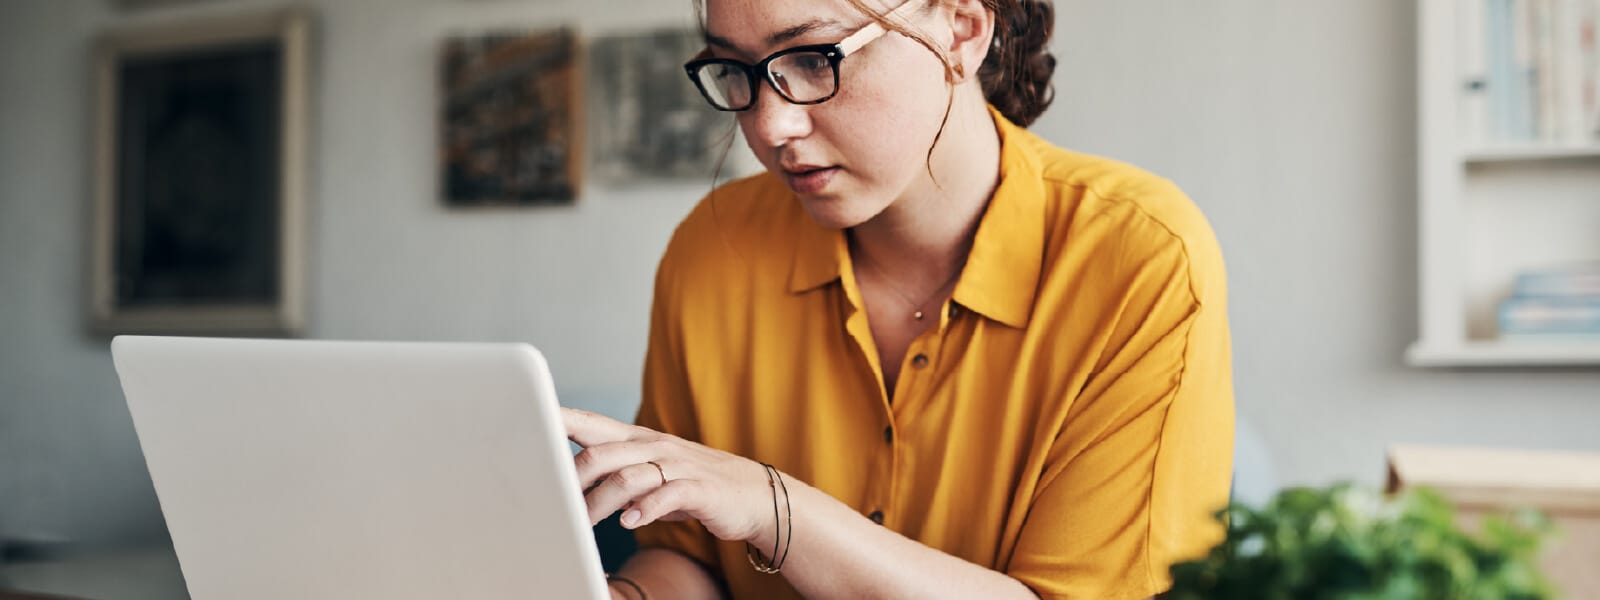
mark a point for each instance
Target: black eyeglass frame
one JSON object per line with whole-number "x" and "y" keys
{"x": 835, "y": 53}
{"x": 762, "y": 71}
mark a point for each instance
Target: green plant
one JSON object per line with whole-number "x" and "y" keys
{"x": 1347, "y": 543}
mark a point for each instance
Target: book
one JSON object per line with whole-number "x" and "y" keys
{"x": 1589, "y": 56}
{"x": 1476, "y": 126}
{"x": 1569, "y": 123}
{"x": 1570, "y": 282}
{"x": 1530, "y": 72}
{"x": 1546, "y": 78}
{"x": 1501, "y": 69}
{"x": 1577, "y": 316}
{"x": 1523, "y": 115}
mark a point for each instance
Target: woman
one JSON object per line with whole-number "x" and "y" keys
{"x": 979, "y": 366}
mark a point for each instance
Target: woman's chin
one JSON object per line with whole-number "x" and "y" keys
{"x": 834, "y": 212}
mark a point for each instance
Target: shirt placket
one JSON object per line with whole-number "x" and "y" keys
{"x": 917, "y": 376}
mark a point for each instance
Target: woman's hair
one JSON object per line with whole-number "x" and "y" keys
{"x": 1016, "y": 74}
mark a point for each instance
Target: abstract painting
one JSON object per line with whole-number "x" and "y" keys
{"x": 647, "y": 120}
{"x": 510, "y": 124}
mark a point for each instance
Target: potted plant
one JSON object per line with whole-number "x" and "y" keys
{"x": 1344, "y": 542}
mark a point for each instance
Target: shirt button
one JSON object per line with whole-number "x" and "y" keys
{"x": 888, "y": 435}
{"x": 876, "y": 516}
{"x": 919, "y": 361}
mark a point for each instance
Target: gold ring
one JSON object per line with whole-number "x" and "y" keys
{"x": 663, "y": 472}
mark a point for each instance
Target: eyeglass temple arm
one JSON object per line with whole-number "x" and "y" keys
{"x": 875, "y": 30}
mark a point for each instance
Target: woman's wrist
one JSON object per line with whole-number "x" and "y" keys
{"x": 770, "y": 531}
{"x": 623, "y": 587}
{"x": 783, "y": 526}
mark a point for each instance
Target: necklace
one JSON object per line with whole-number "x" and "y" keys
{"x": 916, "y": 307}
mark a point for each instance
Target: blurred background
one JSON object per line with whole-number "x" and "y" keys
{"x": 1294, "y": 125}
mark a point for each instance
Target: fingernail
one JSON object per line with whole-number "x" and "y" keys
{"x": 630, "y": 517}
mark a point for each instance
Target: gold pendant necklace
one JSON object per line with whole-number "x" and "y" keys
{"x": 916, "y": 307}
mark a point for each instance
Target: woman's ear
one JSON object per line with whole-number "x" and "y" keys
{"x": 971, "y": 30}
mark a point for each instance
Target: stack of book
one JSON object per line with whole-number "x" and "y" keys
{"x": 1559, "y": 303}
{"x": 1531, "y": 71}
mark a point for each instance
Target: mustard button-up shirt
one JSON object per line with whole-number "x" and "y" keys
{"x": 1068, "y": 422}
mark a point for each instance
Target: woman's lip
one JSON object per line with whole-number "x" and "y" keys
{"x": 812, "y": 181}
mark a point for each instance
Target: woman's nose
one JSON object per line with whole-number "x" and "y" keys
{"x": 774, "y": 121}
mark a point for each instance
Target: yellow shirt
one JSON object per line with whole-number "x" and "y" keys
{"x": 1068, "y": 422}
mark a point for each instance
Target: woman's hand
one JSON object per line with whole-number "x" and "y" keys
{"x": 728, "y": 494}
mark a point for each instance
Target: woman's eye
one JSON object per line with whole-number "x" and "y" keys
{"x": 813, "y": 62}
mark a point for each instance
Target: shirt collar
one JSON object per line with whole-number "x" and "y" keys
{"x": 1003, "y": 269}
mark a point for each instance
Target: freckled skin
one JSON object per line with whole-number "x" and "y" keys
{"x": 878, "y": 129}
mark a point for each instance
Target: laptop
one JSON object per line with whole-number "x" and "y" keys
{"x": 317, "y": 469}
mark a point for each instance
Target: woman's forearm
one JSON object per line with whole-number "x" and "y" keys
{"x": 837, "y": 553}
{"x": 667, "y": 575}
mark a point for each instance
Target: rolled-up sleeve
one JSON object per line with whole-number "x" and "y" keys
{"x": 1144, "y": 459}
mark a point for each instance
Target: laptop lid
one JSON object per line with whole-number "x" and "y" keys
{"x": 314, "y": 469}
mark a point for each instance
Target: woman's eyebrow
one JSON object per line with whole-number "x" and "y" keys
{"x": 800, "y": 30}
{"x": 779, "y": 37}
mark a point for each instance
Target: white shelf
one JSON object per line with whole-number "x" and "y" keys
{"x": 1521, "y": 152}
{"x": 1488, "y": 211}
{"x": 1560, "y": 353}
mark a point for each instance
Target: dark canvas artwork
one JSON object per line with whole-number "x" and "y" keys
{"x": 647, "y": 120}
{"x": 510, "y": 133}
{"x": 197, "y": 178}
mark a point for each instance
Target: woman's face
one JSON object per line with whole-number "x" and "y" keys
{"x": 849, "y": 158}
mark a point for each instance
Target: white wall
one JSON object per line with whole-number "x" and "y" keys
{"x": 1289, "y": 122}
{"x": 388, "y": 261}
{"x": 1292, "y": 124}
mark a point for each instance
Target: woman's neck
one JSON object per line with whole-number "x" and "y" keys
{"x": 923, "y": 237}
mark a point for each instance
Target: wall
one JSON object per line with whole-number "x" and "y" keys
{"x": 1293, "y": 125}
{"x": 389, "y": 261}
{"x": 1290, "y": 123}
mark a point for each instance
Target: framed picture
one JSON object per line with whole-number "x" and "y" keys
{"x": 510, "y": 132}
{"x": 200, "y": 177}
{"x": 647, "y": 120}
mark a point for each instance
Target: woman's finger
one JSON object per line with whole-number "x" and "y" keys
{"x": 621, "y": 487}
{"x": 662, "y": 502}
{"x": 598, "y": 462}
{"x": 589, "y": 429}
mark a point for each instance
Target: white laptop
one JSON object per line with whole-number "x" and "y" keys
{"x": 353, "y": 470}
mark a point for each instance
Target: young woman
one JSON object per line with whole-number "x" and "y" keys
{"x": 978, "y": 365}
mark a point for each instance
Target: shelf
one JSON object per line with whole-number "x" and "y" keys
{"x": 1561, "y": 353}
{"x": 1525, "y": 152}
{"x": 1490, "y": 209}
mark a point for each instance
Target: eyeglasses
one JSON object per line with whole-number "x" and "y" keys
{"x": 801, "y": 75}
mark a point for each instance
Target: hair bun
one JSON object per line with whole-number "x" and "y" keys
{"x": 1016, "y": 75}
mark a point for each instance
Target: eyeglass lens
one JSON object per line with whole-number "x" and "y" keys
{"x": 801, "y": 77}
